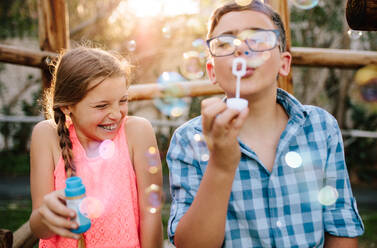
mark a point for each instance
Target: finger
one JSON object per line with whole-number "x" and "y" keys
{"x": 209, "y": 101}
{"x": 64, "y": 232}
{"x": 224, "y": 121}
{"x": 209, "y": 114}
{"x": 240, "y": 120}
{"x": 56, "y": 203}
{"x": 51, "y": 219}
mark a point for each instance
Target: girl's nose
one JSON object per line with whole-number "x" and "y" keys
{"x": 115, "y": 113}
{"x": 241, "y": 49}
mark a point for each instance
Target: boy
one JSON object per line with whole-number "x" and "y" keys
{"x": 250, "y": 192}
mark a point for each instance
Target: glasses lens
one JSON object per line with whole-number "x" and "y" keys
{"x": 259, "y": 40}
{"x": 222, "y": 46}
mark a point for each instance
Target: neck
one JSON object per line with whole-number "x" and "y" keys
{"x": 265, "y": 114}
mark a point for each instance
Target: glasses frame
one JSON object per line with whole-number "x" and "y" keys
{"x": 275, "y": 31}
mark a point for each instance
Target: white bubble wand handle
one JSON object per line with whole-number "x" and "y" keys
{"x": 239, "y": 73}
{"x": 239, "y": 70}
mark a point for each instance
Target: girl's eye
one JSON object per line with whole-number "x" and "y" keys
{"x": 101, "y": 106}
{"x": 124, "y": 101}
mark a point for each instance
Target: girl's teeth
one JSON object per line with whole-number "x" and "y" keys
{"x": 109, "y": 127}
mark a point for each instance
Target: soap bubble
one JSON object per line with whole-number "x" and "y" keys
{"x": 327, "y": 195}
{"x": 154, "y": 198}
{"x": 256, "y": 59}
{"x": 199, "y": 44}
{"x": 106, "y": 149}
{"x": 293, "y": 159}
{"x": 131, "y": 45}
{"x": 91, "y": 207}
{"x": 192, "y": 66}
{"x": 166, "y": 32}
{"x": 169, "y": 104}
{"x": 243, "y": 2}
{"x": 305, "y": 4}
{"x": 205, "y": 157}
{"x": 354, "y": 34}
{"x": 153, "y": 161}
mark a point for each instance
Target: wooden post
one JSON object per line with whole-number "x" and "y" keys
{"x": 6, "y": 238}
{"x": 281, "y": 6}
{"x": 53, "y": 30}
{"x": 362, "y": 14}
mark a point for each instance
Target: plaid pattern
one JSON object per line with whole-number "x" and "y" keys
{"x": 281, "y": 208}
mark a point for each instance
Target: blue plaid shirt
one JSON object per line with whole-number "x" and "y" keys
{"x": 278, "y": 208}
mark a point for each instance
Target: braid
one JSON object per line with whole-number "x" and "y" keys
{"x": 64, "y": 142}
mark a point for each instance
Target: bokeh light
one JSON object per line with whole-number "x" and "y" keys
{"x": 106, "y": 149}
{"x": 293, "y": 159}
{"x": 366, "y": 80}
{"x": 91, "y": 207}
{"x": 131, "y": 45}
{"x": 153, "y": 160}
{"x": 169, "y": 104}
{"x": 354, "y": 34}
{"x": 192, "y": 66}
{"x": 205, "y": 157}
{"x": 154, "y": 197}
{"x": 166, "y": 32}
{"x": 305, "y": 4}
{"x": 327, "y": 195}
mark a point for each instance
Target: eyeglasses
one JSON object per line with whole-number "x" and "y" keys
{"x": 257, "y": 40}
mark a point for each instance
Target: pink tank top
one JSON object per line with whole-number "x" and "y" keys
{"x": 112, "y": 181}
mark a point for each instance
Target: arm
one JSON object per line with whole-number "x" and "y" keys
{"x": 141, "y": 137}
{"x": 342, "y": 221}
{"x": 203, "y": 225}
{"x": 49, "y": 215}
{"x": 344, "y": 242}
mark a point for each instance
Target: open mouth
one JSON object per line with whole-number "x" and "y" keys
{"x": 109, "y": 127}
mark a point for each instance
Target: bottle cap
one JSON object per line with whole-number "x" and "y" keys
{"x": 74, "y": 187}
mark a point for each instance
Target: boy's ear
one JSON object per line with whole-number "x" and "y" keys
{"x": 211, "y": 71}
{"x": 286, "y": 59}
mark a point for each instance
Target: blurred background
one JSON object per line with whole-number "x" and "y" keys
{"x": 165, "y": 41}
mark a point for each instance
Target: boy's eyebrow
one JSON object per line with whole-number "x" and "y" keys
{"x": 236, "y": 31}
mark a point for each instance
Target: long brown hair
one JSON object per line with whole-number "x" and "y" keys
{"x": 255, "y": 5}
{"x": 73, "y": 71}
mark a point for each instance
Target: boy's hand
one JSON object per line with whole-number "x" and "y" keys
{"x": 221, "y": 126}
{"x": 56, "y": 216}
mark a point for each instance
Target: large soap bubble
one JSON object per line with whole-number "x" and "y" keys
{"x": 169, "y": 104}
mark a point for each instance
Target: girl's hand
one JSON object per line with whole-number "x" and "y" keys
{"x": 221, "y": 126}
{"x": 56, "y": 216}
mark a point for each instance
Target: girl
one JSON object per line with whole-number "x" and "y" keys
{"x": 92, "y": 137}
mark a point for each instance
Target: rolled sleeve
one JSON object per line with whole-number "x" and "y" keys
{"x": 341, "y": 218}
{"x": 185, "y": 175}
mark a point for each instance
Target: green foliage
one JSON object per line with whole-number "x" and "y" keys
{"x": 18, "y": 19}
{"x": 13, "y": 163}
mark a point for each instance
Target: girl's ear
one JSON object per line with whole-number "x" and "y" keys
{"x": 286, "y": 59}
{"x": 66, "y": 110}
{"x": 211, "y": 71}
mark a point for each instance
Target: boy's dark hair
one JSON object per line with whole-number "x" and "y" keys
{"x": 255, "y": 5}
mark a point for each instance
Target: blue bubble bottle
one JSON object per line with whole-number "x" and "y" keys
{"x": 75, "y": 194}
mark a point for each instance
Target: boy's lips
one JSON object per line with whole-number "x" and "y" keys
{"x": 249, "y": 72}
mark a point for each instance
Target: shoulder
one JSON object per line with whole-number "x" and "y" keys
{"x": 45, "y": 139}
{"x": 45, "y": 130}
{"x": 320, "y": 121}
{"x": 138, "y": 130}
{"x": 190, "y": 127}
{"x": 135, "y": 123}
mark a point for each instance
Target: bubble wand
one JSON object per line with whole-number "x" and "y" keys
{"x": 237, "y": 102}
